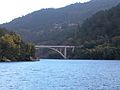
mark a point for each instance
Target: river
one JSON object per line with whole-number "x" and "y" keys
{"x": 60, "y": 75}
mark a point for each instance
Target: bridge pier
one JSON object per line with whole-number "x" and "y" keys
{"x": 65, "y": 52}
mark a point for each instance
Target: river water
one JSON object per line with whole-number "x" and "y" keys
{"x": 60, "y": 75}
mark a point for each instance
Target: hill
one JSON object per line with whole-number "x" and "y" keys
{"x": 99, "y": 35}
{"x": 54, "y": 26}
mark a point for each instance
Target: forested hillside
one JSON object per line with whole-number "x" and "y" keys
{"x": 43, "y": 26}
{"x": 12, "y": 48}
{"x": 99, "y": 35}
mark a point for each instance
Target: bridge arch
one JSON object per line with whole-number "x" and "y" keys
{"x": 56, "y": 50}
{"x": 62, "y": 50}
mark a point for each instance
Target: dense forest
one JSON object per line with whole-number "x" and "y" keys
{"x": 12, "y": 48}
{"x": 99, "y": 35}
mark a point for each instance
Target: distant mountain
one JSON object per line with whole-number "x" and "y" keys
{"x": 53, "y": 26}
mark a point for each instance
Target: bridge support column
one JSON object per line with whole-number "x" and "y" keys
{"x": 65, "y": 52}
{"x": 73, "y": 49}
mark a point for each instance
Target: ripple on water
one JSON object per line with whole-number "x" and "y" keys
{"x": 60, "y": 75}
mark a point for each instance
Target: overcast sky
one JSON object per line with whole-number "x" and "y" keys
{"x": 10, "y": 9}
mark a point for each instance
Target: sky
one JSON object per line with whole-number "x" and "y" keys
{"x": 10, "y": 9}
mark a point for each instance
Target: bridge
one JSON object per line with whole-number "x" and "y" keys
{"x": 62, "y": 50}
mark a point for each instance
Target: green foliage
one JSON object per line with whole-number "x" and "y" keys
{"x": 13, "y": 48}
{"x": 104, "y": 51}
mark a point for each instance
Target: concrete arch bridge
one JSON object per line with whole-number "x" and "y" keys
{"x": 62, "y": 50}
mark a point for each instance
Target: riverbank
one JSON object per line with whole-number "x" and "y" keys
{"x": 4, "y": 59}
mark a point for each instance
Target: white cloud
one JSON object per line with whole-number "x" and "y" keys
{"x": 10, "y": 9}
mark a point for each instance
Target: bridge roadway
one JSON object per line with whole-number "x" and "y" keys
{"x": 50, "y": 46}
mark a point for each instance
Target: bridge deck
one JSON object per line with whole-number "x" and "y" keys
{"x": 50, "y": 46}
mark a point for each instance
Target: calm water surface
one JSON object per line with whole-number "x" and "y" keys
{"x": 60, "y": 75}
